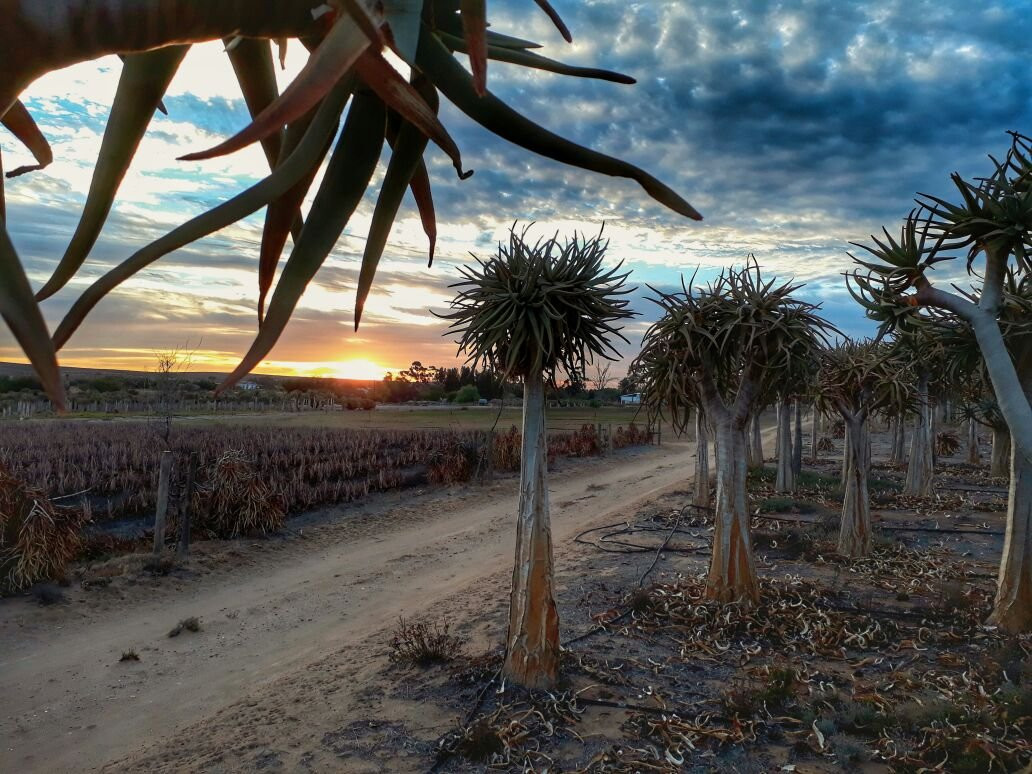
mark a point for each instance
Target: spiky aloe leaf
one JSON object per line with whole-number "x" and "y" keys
{"x": 494, "y": 115}
{"x": 286, "y": 175}
{"x": 347, "y": 176}
{"x": 18, "y": 120}
{"x": 334, "y": 57}
{"x": 20, "y": 311}
{"x": 474, "y": 29}
{"x": 256, "y": 73}
{"x": 141, "y": 85}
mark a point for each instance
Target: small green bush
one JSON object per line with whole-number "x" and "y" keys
{"x": 467, "y": 394}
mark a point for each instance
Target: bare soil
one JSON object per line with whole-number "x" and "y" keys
{"x": 294, "y": 631}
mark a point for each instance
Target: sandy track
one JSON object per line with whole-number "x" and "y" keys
{"x": 69, "y": 705}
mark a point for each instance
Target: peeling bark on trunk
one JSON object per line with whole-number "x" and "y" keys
{"x": 855, "y": 528}
{"x": 702, "y": 479}
{"x": 999, "y": 463}
{"x": 974, "y": 456}
{"x": 814, "y": 432}
{"x": 1013, "y": 608}
{"x": 920, "y": 466}
{"x": 756, "y": 448}
{"x": 732, "y": 573}
{"x": 785, "y": 478}
{"x": 898, "y": 452}
{"x": 797, "y": 444}
{"x": 532, "y": 645}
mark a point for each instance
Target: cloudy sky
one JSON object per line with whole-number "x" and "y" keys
{"x": 794, "y": 127}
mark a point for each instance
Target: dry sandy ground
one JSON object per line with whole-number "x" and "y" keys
{"x": 294, "y": 631}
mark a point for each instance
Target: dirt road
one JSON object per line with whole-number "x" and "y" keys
{"x": 288, "y": 627}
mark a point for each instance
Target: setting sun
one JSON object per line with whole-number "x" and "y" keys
{"x": 359, "y": 369}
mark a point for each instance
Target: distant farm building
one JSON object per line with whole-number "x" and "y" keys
{"x": 249, "y": 386}
{"x": 631, "y": 399}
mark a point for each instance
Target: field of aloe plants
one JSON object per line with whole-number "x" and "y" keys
{"x": 114, "y": 466}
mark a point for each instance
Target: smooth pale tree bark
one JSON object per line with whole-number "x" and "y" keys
{"x": 1012, "y": 610}
{"x": 756, "y": 447}
{"x": 920, "y": 466}
{"x": 797, "y": 444}
{"x": 702, "y": 476}
{"x": 999, "y": 462}
{"x": 898, "y": 452}
{"x": 732, "y": 573}
{"x": 974, "y": 456}
{"x": 785, "y": 481}
{"x": 532, "y": 644}
{"x": 814, "y": 432}
{"x": 855, "y": 528}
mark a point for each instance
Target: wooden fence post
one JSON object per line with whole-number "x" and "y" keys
{"x": 164, "y": 475}
{"x": 187, "y": 506}
{"x": 609, "y": 439}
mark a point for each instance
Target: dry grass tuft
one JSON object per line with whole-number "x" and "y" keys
{"x": 37, "y": 540}
{"x": 130, "y": 655}
{"x": 191, "y": 624}
{"x": 423, "y": 643}
{"x": 236, "y": 501}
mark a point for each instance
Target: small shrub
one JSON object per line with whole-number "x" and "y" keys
{"x": 838, "y": 428}
{"x": 480, "y": 743}
{"x": 37, "y": 540}
{"x": 859, "y": 718}
{"x": 847, "y": 749}
{"x": 130, "y": 655}
{"x": 825, "y": 444}
{"x": 423, "y": 643}
{"x": 191, "y": 624}
{"x": 467, "y": 394}
{"x": 947, "y": 443}
{"x": 236, "y": 501}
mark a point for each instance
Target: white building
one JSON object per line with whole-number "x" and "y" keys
{"x": 631, "y": 399}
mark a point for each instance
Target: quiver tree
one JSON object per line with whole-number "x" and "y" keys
{"x": 795, "y": 378}
{"x": 532, "y": 312}
{"x": 346, "y": 76}
{"x": 727, "y": 344}
{"x": 856, "y": 380}
{"x": 992, "y": 221}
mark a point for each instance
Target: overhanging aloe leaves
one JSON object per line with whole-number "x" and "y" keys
{"x": 142, "y": 84}
{"x": 474, "y": 29}
{"x": 256, "y": 73}
{"x": 347, "y": 176}
{"x": 337, "y": 53}
{"x": 22, "y": 315}
{"x": 494, "y": 115}
{"x": 21, "y": 125}
{"x": 240, "y": 206}
{"x": 407, "y": 155}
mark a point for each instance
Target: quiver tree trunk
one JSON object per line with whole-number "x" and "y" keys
{"x": 756, "y": 444}
{"x": 814, "y": 433}
{"x": 532, "y": 645}
{"x": 920, "y": 466}
{"x": 785, "y": 478}
{"x": 797, "y": 444}
{"x": 974, "y": 456}
{"x": 898, "y": 451}
{"x": 855, "y": 528}
{"x": 1012, "y": 610}
{"x": 999, "y": 462}
{"x": 732, "y": 573}
{"x": 702, "y": 478}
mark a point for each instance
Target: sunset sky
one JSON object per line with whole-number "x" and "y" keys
{"x": 794, "y": 127}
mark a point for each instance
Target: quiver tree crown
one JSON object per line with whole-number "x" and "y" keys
{"x": 297, "y": 128}
{"x": 542, "y": 308}
{"x": 738, "y": 330}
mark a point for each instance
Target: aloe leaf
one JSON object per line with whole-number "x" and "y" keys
{"x": 20, "y": 311}
{"x": 407, "y": 155}
{"x": 142, "y": 84}
{"x": 256, "y": 73}
{"x": 529, "y": 59}
{"x": 474, "y": 27}
{"x": 420, "y": 187}
{"x": 399, "y": 95}
{"x": 545, "y": 6}
{"x": 350, "y": 169}
{"x": 495, "y": 116}
{"x": 21, "y": 125}
{"x": 403, "y": 19}
{"x": 299, "y": 163}
{"x": 337, "y": 53}
{"x": 283, "y": 216}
